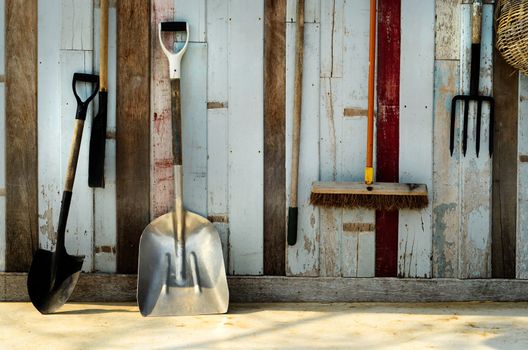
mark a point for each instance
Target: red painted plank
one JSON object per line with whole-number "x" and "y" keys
{"x": 387, "y": 126}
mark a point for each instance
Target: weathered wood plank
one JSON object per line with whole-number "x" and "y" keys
{"x": 387, "y": 130}
{"x": 194, "y": 123}
{"x": 504, "y": 191}
{"x": 446, "y": 177}
{"x": 122, "y": 288}
{"x": 105, "y": 229}
{"x": 217, "y": 117}
{"x": 358, "y": 253}
{"x": 161, "y": 188}
{"x": 21, "y": 133}
{"x": 303, "y": 258}
{"x": 274, "y": 137}
{"x": 331, "y": 130}
{"x": 132, "y": 130}
{"x": 2, "y": 42}
{"x": 80, "y": 226}
{"x": 357, "y": 260}
{"x": 194, "y": 13}
{"x": 2, "y": 176}
{"x": 330, "y": 141}
{"x": 447, "y": 38}
{"x": 416, "y": 133}
{"x": 522, "y": 182}
{"x": 76, "y": 25}
{"x": 312, "y": 11}
{"x": 475, "y": 244}
{"x": 49, "y": 121}
{"x": 332, "y": 12}
{"x": 246, "y": 137}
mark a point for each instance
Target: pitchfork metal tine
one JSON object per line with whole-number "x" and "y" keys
{"x": 479, "y": 120}
{"x": 465, "y": 130}
{"x": 453, "y": 120}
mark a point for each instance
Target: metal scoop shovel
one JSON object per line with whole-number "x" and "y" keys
{"x": 181, "y": 267}
{"x": 53, "y": 275}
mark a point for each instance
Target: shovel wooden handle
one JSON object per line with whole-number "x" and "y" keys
{"x": 176, "y": 122}
{"x": 296, "y": 130}
{"x": 103, "y": 44}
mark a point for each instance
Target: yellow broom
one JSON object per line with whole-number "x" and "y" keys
{"x": 380, "y": 196}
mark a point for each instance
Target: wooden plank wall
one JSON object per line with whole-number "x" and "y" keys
{"x": 462, "y": 198}
{"x": 274, "y": 137}
{"x": 2, "y": 143}
{"x": 416, "y": 133}
{"x": 504, "y": 200}
{"x": 21, "y": 133}
{"x": 132, "y": 130}
{"x": 522, "y": 182}
{"x": 68, "y": 43}
{"x": 223, "y": 104}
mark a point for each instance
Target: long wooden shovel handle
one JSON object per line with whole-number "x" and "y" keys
{"x": 296, "y": 131}
{"x": 476, "y": 22}
{"x": 177, "y": 154}
{"x": 103, "y": 44}
{"x": 80, "y": 117}
{"x": 369, "y": 170}
{"x": 297, "y": 102}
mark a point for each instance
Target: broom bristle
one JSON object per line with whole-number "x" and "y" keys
{"x": 369, "y": 201}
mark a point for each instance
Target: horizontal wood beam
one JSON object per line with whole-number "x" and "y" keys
{"x": 121, "y": 288}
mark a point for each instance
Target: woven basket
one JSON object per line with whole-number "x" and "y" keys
{"x": 512, "y": 32}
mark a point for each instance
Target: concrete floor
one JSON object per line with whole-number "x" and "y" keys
{"x": 269, "y": 326}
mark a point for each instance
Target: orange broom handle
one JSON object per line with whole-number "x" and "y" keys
{"x": 369, "y": 170}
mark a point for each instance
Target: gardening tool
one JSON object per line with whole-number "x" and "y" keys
{"x": 98, "y": 138}
{"x": 181, "y": 266}
{"x": 476, "y": 28}
{"x": 380, "y": 196}
{"x": 53, "y": 275}
{"x": 293, "y": 210}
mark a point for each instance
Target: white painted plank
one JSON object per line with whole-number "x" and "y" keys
{"x": 475, "y": 254}
{"x": 332, "y": 12}
{"x": 358, "y": 253}
{"x": 330, "y": 142}
{"x": 446, "y": 174}
{"x": 246, "y": 137}
{"x": 522, "y": 182}
{"x": 2, "y": 39}
{"x": 217, "y": 123}
{"x": 303, "y": 258}
{"x": 357, "y": 260}
{"x": 76, "y": 24}
{"x": 446, "y": 168}
{"x": 193, "y": 12}
{"x": 50, "y": 166}
{"x": 105, "y": 229}
{"x": 312, "y": 11}
{"x": 194, "y": 128}
{"x": 416, "y": 133}
{"x": 80, "y": 227}
{"x": 2, "y": 177}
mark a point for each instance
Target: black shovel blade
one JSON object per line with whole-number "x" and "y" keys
{"x": 50, "y": 284}
{"x": 96, "y": 156}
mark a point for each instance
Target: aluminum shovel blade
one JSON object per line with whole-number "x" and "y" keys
{"x": 204, "y": 288}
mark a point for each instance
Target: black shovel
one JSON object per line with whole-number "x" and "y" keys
{"x": 53, "y": 275}
{"x": 476, "y": 20}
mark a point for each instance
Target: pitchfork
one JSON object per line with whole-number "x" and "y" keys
{"x": 476, "y": 20}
